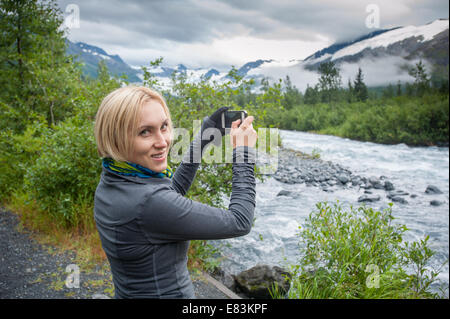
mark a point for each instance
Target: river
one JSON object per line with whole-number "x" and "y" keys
{"x": 274, "y": 237}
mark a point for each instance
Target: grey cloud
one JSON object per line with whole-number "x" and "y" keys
{"x": 202, "y": 21}
{"x": 162, "y": 24}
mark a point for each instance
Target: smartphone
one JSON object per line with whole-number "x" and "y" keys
{"x": 230, "y": 116}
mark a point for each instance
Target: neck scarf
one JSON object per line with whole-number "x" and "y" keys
{"x": 131, "y": 169}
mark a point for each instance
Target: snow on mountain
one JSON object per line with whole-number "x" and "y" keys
{"x": 400, "y": 41}
{"x": 382, "y": 55}
{"x": 424, "y": 33}
{"x": 91, "y": 55}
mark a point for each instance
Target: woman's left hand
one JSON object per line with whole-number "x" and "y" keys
{"x": 215, "y": 120}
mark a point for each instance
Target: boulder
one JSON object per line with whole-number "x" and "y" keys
{"x": 292, "y": 194}
{"x": 388, "y": 186}
{"x": 396, "y": 194}
{"x": 369, "y": 198}
{"x": 256, "y": 281}
{"x": 344, "y": 179}
{"x": 376, "y": 183}
{"x": 436, "y": 203}
{"x": 398, "y": 199}
{"x": 431, "y": 189}
{"x": 356, "y": 181}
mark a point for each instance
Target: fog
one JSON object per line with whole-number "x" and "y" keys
{"x": 376, "y": 72}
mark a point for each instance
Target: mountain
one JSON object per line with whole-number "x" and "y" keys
{"x": 384, "y": 56}
{"x": 408, "y": 42}
{"x": 338, "y": 46}
{"x": 91, "y": 55}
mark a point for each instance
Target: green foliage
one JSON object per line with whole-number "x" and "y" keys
{"x": 410, "y": 120}
{"x": 359, "y": 253}
{"x": 36, "y": 74}
{"x": 17, "y": 151}
{"x": 360, "y": 88}
{"x": 67, "y": 171}
{"x": 329, "y": 81}
{"x": 421, "y": 79}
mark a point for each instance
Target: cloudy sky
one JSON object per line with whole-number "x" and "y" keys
{"x": 221, "y": 33}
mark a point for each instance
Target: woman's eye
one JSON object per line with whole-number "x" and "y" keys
{"x": 164, "y": 127}
{"x": 144, "y": 133}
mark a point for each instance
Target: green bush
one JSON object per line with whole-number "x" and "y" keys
{"x": 67, "y": 171}
{"x": 410, "y": 120}
{"x": 359, "y": 253}
{"x": 17, "y": 149}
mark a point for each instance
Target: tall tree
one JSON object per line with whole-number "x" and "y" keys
{"x": 329, "y": 81}
{"x": 350, "y": 92}
{"x": 291, "y": 95}
{"x": 311, "y": 95}
{"x": 360, "y": 88}
{"x": 36, "y": 73}
{"x": 421, "y": 78}
{"x": 399, "y": 88}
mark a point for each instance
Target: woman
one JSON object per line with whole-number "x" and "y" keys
{"x": 144, "y": 221}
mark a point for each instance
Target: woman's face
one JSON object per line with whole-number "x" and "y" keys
{"x": 152, "y": 140}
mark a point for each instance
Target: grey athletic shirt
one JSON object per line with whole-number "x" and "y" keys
{"x": 145, "y": 225}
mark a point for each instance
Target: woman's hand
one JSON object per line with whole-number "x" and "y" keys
{"x": 243, "y": 135}
{"x": 214, "y": 120}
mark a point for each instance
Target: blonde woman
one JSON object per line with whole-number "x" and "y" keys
{"x": 144, "y": 221}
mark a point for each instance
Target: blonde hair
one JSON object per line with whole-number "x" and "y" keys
{"x": 117, "y": 119}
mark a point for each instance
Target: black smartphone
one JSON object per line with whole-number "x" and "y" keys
{"x": 230, "y": 116}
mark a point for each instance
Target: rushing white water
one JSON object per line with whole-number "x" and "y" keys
{"x": 274, "y": 237}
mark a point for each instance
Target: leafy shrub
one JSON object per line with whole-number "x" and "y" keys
{"x": 359, "y": 253}
{"x": 67, "y": 171}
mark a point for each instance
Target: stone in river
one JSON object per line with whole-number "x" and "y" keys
{"x": 431, "y": 189}
{"x": 376, "y": 183}
{"x": 256, "y": 281}
{"x": 388, "y": 186}
{"x": 397, "y": 193}
{"x": 288, "y": 193}
{"x": 343, "y": 178}
{"x": 436, "y": 203}
{"x": 369, "y": 198}
{"x": 399, "y": 199}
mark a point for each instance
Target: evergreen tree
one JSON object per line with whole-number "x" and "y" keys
{"x": 311, "y": 95}
{"x": 36, "y": 73}
{"x": 388, "y": 92}
{"x": 292, "y": 96}
{"x": 350, "y": 92}
{"x": 421, "y": 79}
{"x": 329, "y": 82}
{"x": 360, "y": 88}
{"x": 399, "y": 88}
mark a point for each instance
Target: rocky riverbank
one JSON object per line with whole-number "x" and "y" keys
{"x": 297, "y": 168}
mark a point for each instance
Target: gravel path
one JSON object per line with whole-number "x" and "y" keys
{"x": 31, "y": 270}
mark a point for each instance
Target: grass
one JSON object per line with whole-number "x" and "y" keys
{"x": 82, "y": 238}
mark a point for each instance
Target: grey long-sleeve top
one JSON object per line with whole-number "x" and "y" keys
{"x": 145, "y": 225}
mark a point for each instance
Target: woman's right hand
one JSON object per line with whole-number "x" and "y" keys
{"x": 243, "y": 135}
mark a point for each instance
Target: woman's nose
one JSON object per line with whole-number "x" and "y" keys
{"x": 160, "y": 140}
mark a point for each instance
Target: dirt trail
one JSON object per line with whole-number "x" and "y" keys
{"x": 31, "y": 270}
